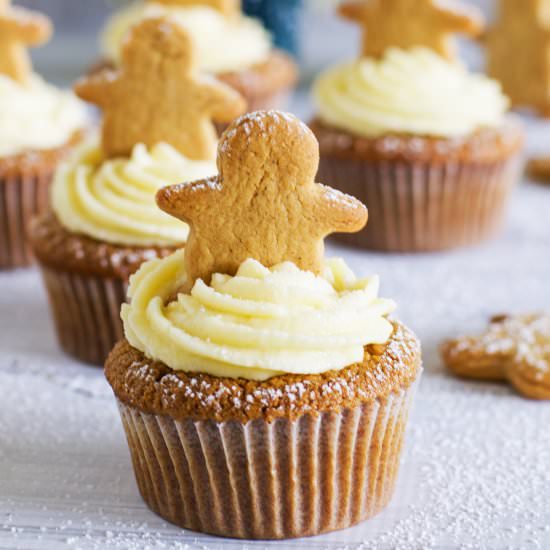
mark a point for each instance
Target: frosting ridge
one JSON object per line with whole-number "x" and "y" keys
{"x": 37, "y": 116}
{"x": 114, "y": 200}
{"x": 258, "y": 324}
{"x": 411, "y": 92}
{"x": 222, "y": 44}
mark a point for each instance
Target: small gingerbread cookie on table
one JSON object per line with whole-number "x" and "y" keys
{"x": 408, "y": 130}
{"x": 515, "y": 349}
{"x": 38, "y": 126}
{"x": 230, "y": 45}
{"x": 246, "y": 352}
{"x": 518, "y": 52}
{"x": 157, "y": 129}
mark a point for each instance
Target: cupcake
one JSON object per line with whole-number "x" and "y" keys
{"x": 234, "y": 47}
{"x": 38, "y": 126}
{"x": 408, "y": 130}
{"x": 263, "y": 390}
{"x": 156, "y": 130}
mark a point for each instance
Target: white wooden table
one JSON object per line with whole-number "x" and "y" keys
{"x": 476, "y": 468}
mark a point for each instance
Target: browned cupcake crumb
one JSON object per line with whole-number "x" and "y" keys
{"x": 485, "y": 145}
{"x": 154, "y": 388}
{"x": 56, "y": 247}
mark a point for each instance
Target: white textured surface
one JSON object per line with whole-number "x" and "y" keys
{"x": 475, "y": 473}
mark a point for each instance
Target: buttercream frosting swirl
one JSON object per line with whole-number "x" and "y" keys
{"x": 114, "y": 200}
{"x": 410, "y": 92}
{"x": 222, "y": 44}
{"x": 258, "y": 324}
{"x": 37, "y": 116}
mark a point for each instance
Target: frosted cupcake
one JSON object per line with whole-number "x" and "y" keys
{"x": 263, "y": 390}
{"x": 425, "y": 143}
{"x": 234, "y": 47}
{"x": 105, "y": 222}
{"x": 38, "y": 126}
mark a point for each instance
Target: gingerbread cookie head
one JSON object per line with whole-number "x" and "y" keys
{"x": 156, "y": 43}
{"x": 20, "y": 29}
{"x": 274, "y": 151}
{"x": 157, "y": 96}
{"x": 230, "y": 8}
{"x": 407, "y": 24}
{"x": 264, "y": 204}
{"x": 513, "y": 348}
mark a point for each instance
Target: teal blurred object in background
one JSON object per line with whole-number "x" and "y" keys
{"x": 281, "y": 17}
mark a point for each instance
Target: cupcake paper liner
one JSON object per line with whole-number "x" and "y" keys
{"x": 419, "y": 206}
{"x": 86, "y": 312}
{"x": 260, "y": 480}
{"x": 22, "y": 195}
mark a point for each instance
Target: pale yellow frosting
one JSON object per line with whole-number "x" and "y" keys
{"x": 37, "y": 116}
{"x": 413, "y": 92}
{"x": 222, "y": 44}
{"x": 258, "y": 324}
{"x": 114, "y": 200}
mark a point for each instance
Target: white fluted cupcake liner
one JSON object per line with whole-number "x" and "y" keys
{"x": 419, "y": 206}
{"x": 86, "y": 312}
{"x": 260, "y": 480}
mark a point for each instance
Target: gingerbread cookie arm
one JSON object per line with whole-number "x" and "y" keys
{"x": 467, "y": 21}
{"x": 32, "y": 28}
{"x": 188, "y": 201}
{"x": 223, "y": 103}
{"x": 336, "y": 212}
{"x": 28, "y": 27}
{"x": 98, "y": 88}
{"x": 353, "y": 11}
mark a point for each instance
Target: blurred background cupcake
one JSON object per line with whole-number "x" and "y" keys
{"x": 410, "y": 131}
{"x": 38, "y": 125}
{"x": 105, "y": 222}
{"x": 234, "y": 47}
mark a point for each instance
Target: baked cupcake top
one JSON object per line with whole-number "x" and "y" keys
{"x": 33, "y": 114}
{"x": 408, "y": 80}
{"x": 157, "y": 129}
{"x": 226, "y": 40}
{"x": 252, "y": 296}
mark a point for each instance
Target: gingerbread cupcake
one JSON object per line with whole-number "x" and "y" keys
{"x": 407, "y": 129}
{"x": 233, "y": 47}
{"x": 263, "y": 390}
{"x": 157, "y": 129}
{"x": 38, "y": 125}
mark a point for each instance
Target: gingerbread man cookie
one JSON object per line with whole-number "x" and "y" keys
{"x": 513, "y": 348}
{"x": 264, "y": 204}
{"x": 19, "y": 29}
{"x": 409, "y": 23}
{"x": 518, "y": 52}
{"x": 157, "y": 95}
{"x": 230, "y": 8}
